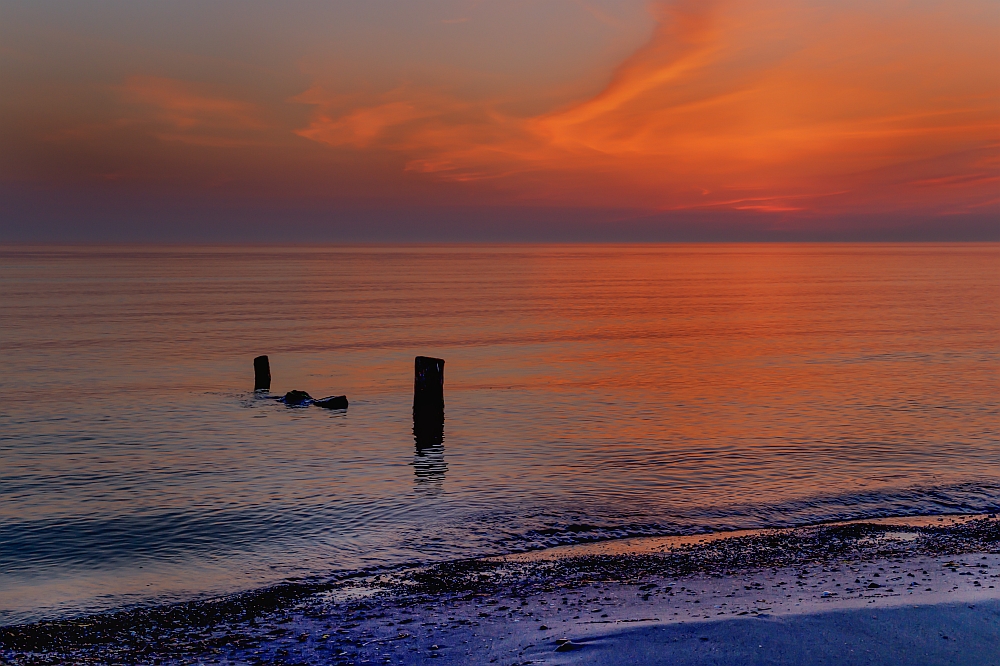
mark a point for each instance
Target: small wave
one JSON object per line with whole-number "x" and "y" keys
{"x": 968, "y": 498}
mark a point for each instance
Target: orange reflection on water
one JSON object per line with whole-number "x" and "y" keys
{"x": 590, "y": 392}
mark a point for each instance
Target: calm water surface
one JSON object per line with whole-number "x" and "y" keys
{"x": 591, "y": 392}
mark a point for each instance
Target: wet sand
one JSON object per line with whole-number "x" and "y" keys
{"x": 935, "y": 634}
{"x": 900, "y": 591}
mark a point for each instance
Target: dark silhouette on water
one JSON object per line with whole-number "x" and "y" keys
{"x": 297, "y": 399}
{"x": 333, "y": 402}
{"x": 428, "y": 384}
{"x": 261, "y": 374}
{"x": 294, "y": 398}
{"x": 428, "y": 419}
{"x": 303, "y": 399}
{"x": 428, "y": 440}
{"x": 428, "y": 429}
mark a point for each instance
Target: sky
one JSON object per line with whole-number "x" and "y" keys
{"x": 499, "y": 120}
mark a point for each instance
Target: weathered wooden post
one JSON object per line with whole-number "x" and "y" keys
{"x": 261, "y": 374}
{"x": 428, "y": 402}
{"x": 428, "y": 384}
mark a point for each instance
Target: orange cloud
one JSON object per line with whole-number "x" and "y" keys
{"x": 184, "y": 113}
{"x": 779, "y": 106}
{"x": 362, "y": 125}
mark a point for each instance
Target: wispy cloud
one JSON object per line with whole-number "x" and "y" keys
{"x": 181, "y": 111}
{"x": 728, "y": 98}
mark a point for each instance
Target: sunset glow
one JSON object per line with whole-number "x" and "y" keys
{"x": 616, "y": 332}
{"x": 791, "y": 114}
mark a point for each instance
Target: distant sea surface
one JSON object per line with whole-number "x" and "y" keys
{"x": 592, "y": 392}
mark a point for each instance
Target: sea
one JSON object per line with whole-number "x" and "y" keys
{"x": 592, "y": 392}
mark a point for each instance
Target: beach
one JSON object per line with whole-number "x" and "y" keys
{"x": 603, "y": 332}
{"x": 921, "y": 591}
{"x": 705, "y": 389}
{"x": 684, "y": 463}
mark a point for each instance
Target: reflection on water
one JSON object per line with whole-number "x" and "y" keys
{"x": 593, "y": 392}
{"x": 429, "y": 466}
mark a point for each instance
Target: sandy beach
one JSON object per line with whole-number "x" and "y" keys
{"x": 903, "y": 591}
{"x": 611, "y": 332}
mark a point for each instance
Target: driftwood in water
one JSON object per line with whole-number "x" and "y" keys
{"x": 262, "y": 382}
{"x": 296, "y": 398}
{"x": 333, "y": 402}
{"x": 303, "y": 399}
{"x": 261, "y": 374}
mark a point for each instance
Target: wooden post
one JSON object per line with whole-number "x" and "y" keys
{"x": 428, "y": 384}
{"x": 428, "y": 429}
{"x": 261, "y": 374}
{"x": 428, "y": 402}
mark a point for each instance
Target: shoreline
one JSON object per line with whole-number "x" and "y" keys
{"x": 600, "y": 597}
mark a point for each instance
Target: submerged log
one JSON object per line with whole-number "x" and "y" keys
{"x": 428, "y": 384}
{"x": 296, "y": 398}
{"x": 261, "y": 374}
{"x": 262, "y": 382}
{"x": 333, "y": 402}
{"x": 301, "y": 399}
